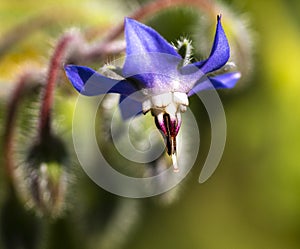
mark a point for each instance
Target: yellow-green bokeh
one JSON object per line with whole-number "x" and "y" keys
{"x": 253, "y": 199}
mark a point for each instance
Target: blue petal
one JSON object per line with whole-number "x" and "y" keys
{"x": 152, "y": 70}
{"x": 129, "y": 107}
{"x": 219, "y": 54}
{"x": 227, "y": 80}
{"x": 161, "y": 73}
{"x": 148, "y": 56}
{"x": 90, "y": 83}
{"x": 141, "y": 39}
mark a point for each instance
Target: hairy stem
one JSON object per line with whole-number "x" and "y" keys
{"x": 53, "y": 72}
{"x": 22, "y": 87}
{"x": 144, "y": 12}
{"x": 153, "y": 7}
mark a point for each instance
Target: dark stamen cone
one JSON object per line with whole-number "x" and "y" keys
{"x": 169, "y": 128}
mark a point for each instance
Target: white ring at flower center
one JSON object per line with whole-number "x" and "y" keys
{"x": 171, "y": 102}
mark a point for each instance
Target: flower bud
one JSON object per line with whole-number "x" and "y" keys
{"x": 46, "y": 176}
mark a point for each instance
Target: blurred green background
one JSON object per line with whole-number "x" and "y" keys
{"x": 253, "y": 198}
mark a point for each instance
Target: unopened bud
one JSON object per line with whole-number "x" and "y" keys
{"x": 46, "y": 176}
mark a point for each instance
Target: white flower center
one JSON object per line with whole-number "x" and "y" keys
{"x": 170, "y": 103}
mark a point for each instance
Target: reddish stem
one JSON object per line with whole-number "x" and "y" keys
{"x": 146, "y": 11}
{"x": 153, "y": 7}
{"x": 10, "y": 124}
{"x": 53, "y": 72}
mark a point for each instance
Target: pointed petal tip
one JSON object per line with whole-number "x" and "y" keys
{"x": 220, "y": 52}
{"x": 227, "y": 80}
{"x": 68, "y": 68}
{"x": 71, "y": 69}
{"x": 128, "y": 21}
{"x": 78, "y": 75}
{"x": 142, "y": 39}
{"x": 237, "y": 75}
{"x": 234, "y": 77}
{"x": 72, "y": 74}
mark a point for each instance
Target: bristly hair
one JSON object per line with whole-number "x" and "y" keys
{"x": 184, "y": 48}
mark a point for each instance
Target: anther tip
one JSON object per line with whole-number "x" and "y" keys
{"x": 175, "y": 165}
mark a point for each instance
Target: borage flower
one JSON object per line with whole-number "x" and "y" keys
{"x": 156, "y": 78}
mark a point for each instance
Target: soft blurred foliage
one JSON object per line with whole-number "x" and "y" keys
{"x": 251, "y": 201}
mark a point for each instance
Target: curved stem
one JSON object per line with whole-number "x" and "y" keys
{"x": 10, "y": 124}
{"x": 145, "y": 11}
{"x": 47, "y": 99}
{"x": 153, "y": 7}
